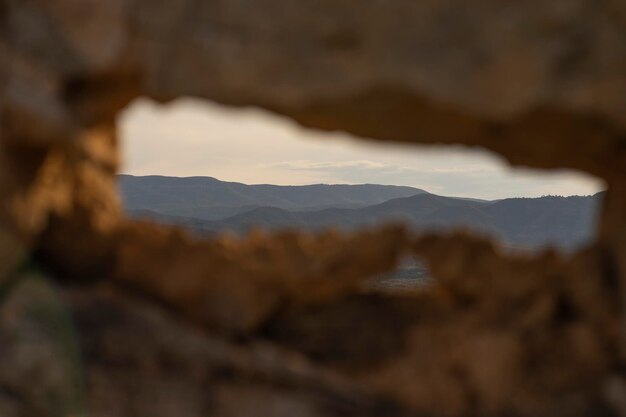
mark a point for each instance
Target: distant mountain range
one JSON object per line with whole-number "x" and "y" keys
{"x": 210, "y": 199}
{"x": 208, "y": 205}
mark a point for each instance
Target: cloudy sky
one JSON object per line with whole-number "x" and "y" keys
{"x": 189, "y": 138}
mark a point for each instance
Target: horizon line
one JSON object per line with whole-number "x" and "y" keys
{"x": 354, "y": 184}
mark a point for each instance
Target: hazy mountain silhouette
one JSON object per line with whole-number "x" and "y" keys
{"x": 567, "y": 222}
{"x": 208, "y": 198}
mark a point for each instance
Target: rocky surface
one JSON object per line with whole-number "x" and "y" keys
{"x": 274, "y": 325}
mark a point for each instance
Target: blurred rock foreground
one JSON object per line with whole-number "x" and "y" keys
{"x": 278, "y": 324}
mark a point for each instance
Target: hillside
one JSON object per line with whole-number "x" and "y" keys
{"x": 210, "y": 199}
{"x": 202, "y": 204}
{"x": 567, "y": 222}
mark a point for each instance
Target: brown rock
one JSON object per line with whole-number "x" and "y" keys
{"x": 170, "y": 325}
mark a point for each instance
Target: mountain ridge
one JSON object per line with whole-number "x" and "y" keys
{"x": 566, "y": 222}
{"x": 209, "y": 198}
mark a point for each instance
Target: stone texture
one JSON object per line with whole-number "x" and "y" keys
{"x": 280, "y": 324}
{"x": 41, "y": 370}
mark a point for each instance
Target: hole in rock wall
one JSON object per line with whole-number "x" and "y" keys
{"x": 214, "y": 169}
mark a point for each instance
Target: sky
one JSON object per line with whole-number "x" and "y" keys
{"x": 199, "y": 138}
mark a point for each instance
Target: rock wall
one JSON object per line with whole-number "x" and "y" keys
{"x": 279, "y": 325}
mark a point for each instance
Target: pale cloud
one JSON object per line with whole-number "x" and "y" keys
{"x": 462, "y": 170}
{"x": 313, "y": 165}
{"x": 191, "y": 138}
